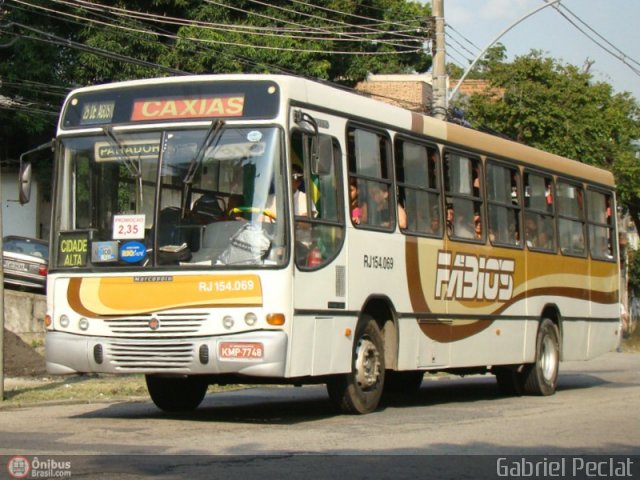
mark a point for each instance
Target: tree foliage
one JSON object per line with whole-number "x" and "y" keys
{"x": 555, "y": 107}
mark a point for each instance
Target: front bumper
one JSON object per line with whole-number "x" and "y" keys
{"x": 67, "y": 353}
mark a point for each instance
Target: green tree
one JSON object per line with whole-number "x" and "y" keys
{"x": 64, "y": 45}
{"x": 561, "y": 109}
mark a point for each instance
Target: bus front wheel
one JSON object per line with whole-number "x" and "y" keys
{"x": 360, "y": 390}
{"x": 541, "y": 377}
{"x": 176, "y": 394}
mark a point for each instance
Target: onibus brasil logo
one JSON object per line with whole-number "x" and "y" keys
{"x": 20, "y": 466}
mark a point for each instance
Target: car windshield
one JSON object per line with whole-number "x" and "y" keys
{"x": 26, "y": 246}
{"x": 186, "y": 198}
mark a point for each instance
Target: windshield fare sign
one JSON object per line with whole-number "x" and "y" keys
{"x": 185, "y": 108}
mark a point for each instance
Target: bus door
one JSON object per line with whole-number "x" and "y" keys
{"x": 318, "y": 235}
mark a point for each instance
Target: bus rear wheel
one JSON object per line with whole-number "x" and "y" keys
{"x": 541, "y": 377}
{"x": 359, "y": 391}
{"x": 176, "y": 394}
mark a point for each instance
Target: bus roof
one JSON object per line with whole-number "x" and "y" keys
{"x": 359, "y": 105}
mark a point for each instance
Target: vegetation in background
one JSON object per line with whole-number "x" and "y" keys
{"x": 561, "y": 109}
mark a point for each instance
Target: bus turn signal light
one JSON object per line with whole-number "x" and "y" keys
{"x": 275, "y": 319}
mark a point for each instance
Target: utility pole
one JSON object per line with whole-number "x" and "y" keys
{"x": 1, "y": 298}
{"x": 439, "y": 68}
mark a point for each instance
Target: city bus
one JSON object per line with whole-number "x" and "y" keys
{"x": 222, "y": 229}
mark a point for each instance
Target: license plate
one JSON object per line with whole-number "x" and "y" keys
{"x": 11, "y": 265}
{"x": 241, "y": 350}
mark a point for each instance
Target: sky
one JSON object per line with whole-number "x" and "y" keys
{"x": 618, "y": 21}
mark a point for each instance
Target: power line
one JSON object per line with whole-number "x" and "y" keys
{"x": 236, "y": 44}
{"x": 450, "y": 27}
{"x": 451, "y": 47}
{"x": 620, "y": 55}
{"x": 55, "y": 40}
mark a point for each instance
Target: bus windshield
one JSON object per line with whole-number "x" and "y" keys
{"x": 182, "y": 198}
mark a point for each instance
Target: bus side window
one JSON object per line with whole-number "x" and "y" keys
{"x": 539, "y": 212}
{"x": 571, "y": 224}
{"x": 317, "y": 203}
{"x": 369, "y": 156}
{"x": 503, "y": 197}
{"x": 601, "y": 225}
{"x": 463, "y": 187}
{"x": 418, "y": 186}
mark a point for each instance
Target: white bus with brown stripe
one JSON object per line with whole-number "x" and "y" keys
{"x": 254, "y": 228}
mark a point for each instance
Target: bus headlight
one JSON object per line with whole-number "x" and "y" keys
{"x": 250, "y": 319}
{"x": 83, "y": 324}
{"x": 64, "y": 321}
{"x": 227, "y": 322}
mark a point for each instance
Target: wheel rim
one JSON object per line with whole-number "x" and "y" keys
{"x": 548, "y": 359}
{"x": 367, "y": 364}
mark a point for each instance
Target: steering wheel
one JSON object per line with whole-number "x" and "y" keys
{"x": 246, "y": 209}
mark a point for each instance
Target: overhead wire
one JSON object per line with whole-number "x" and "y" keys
{"x": 620, "y": 55}
{"x": 225, "y": 27}
{"x": 237, "y": 57}
{"x": 268, "y": 17}
{"x": 361, "y": 17}
{"x": 221, "y": 42}
{"x": 340, "y": 23}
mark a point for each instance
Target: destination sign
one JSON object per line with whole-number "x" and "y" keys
{"x": 173, "y": 109}
{"x": 97, "y": 112}
{"x": 72, "y": 249}
{"x": 193, "y": 99}
{"x": 136, "y": 149}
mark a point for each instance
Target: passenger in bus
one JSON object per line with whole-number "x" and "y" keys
{"x": 358, "y": 208}
{"x": 402, "y": 216}
{"x": 299, "y": 198}
{"x": 477, "y": 226}
{"x": 450, "y": 218}
{"x": 531, "y": 231}
{"x": 379, "y": 200}
{"x": 299, "y": 195}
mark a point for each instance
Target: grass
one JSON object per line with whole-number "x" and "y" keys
{"x": 86, "y": 388}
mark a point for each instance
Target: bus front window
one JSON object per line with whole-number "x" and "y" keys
{"x": 183, "y": 198}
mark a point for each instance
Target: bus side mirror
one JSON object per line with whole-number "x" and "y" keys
{"x": 24, "y": 179}
{"x": 322, "y": 155}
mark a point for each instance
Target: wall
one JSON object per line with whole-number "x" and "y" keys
{"x": 24, "y": 315}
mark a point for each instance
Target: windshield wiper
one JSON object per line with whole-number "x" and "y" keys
{"x": 212, "y": 134}
{"x": 132, "y": 165}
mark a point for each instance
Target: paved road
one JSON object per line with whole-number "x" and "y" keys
{"x": 595, "y": 411}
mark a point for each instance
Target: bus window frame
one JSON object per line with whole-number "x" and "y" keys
{"x": 553, "y": 214}
{"x": 310, "y": 219}
{"x": 390, "y": 181}
{"x": 519, "y": 208}
{"x": 447, "y": 195}
{"x": 438, "y": 190}
{"x": 612, "y": 226}
{"x": 570, "y": 252}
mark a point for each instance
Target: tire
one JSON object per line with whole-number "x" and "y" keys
{"x": 176, "y": 394}
{"x": 408, "y": 382}
{"x": 510, "y": 381}
{"x": 359, "y": 391}
{"x": 541, "y": 377}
